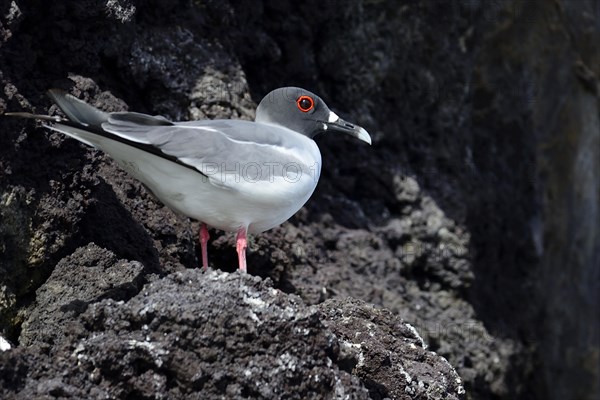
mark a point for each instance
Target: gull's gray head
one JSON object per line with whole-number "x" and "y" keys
{"x": 304, "y": 112}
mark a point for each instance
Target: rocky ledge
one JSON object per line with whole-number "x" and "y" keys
{"x": 473, "y": 217}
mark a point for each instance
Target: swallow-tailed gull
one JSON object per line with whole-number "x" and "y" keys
{"x": 233, "y": 175}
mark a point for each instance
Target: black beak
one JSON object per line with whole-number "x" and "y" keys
{"x": 337, "y": 124}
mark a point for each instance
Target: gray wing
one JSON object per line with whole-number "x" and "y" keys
{"x": 228, "y": 152}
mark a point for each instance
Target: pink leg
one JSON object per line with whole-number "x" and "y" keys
{"x": 204, "y": 236}
{"x": 241, "y": 244}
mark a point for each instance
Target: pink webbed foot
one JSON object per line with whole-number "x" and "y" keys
{"x": 204, "y": 236}
{"x": 241, "y": 244}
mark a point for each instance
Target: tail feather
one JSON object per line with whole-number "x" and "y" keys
{"x": 34, "y": 116}
{"x": 77, "y": 110}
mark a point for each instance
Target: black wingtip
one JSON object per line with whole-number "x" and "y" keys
{"x": 56, "y": 94}
{"x": 77, "y": 110}
{"x": 53, "y": 91}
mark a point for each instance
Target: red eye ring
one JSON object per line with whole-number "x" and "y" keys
{"x": 305, "y": 103}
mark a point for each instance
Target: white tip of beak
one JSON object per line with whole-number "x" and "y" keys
{"x": 364, "y": 135}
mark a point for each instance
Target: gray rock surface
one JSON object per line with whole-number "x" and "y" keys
{"x": 214, "y": 335}
{"x": 376, "y": 346}
{"x": 473, "y": 217}
{"x": 85, "y": 277}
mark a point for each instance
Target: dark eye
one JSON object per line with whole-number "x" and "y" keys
{"x": 305, "y": 103}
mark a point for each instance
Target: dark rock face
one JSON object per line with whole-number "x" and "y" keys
{"x": 473, "y": 217}
{"x": 375, "y": 345}
{"x": 87, "y": 276}
{"x": 195, "y": 335}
